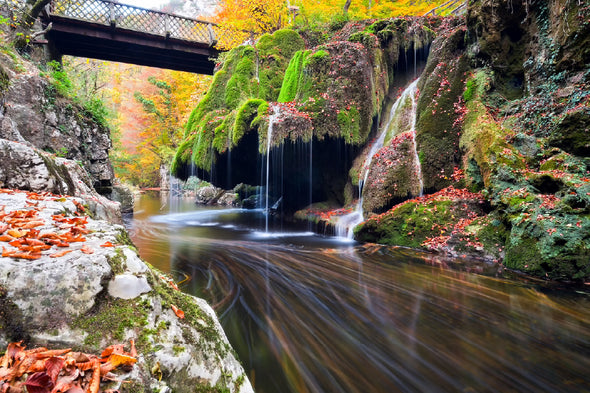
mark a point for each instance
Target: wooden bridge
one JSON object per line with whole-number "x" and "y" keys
{"x": 108, "y": 30}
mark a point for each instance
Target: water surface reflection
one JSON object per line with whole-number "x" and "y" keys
{"x": 312, "y": 314}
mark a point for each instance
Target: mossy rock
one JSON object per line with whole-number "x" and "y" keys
{"x": 554, "y": 247}
{"x": 336, "y": 89}
{"x": 415, "y": 222}
{"x": 438, "y": 128}
{"x": 393, "y": 176}
{"x": 572, "y": 134}
{"x": 225, "y": 114}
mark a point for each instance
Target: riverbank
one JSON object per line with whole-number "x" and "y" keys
{"x": 67, "y": 279}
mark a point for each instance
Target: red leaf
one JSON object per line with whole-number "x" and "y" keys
{"x": 53, "y": 367}
{"x": 107, "y": 244}
{"x": 39, "y": 383}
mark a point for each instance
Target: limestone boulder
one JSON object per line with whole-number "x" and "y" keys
{"x": 88, "y": 301}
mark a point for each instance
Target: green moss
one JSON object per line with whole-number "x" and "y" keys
{"x": 241, "y": 84}
{"x": 178, "y": 349}
{"x": 109, "y": 319}
{"x": 437, "y": 126}
{"x": 249, "y": 111}
{"x": 469, "y": 90}
{"x": 248, "y": 73}
{"x": 292, "y": 77}
{"x": 222, "y": 133}
{"x": 349, "y": 122}
{"x": 132, "y": 387}
{"x": 209, "y": 338}
{"x": 117, "y": 262}
{"x": 366, "y": 38}
{"x": 410, "y": 224}
{"x": 275, "y": 52}
{"x": 482, "y": 141}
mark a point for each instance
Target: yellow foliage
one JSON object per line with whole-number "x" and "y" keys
{"x": 239, "y": 20}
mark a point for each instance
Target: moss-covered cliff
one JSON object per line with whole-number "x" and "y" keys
{"x": 331, "y": 92}
{"x": 504, "y": 109}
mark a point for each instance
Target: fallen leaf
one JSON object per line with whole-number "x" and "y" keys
{"x": 39, "y": 383}
{"x": 53, "y": 366}
{"x": 87, "y": 250}
{"x": 179, "y": 313}
{"x": 107, "y": 244}
{"x": 16, "y": 233}
{"x": 60, "y": 253}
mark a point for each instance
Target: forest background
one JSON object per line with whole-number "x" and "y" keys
{"x": 147, "y": 108}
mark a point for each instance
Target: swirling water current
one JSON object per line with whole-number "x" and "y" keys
{"x": 308, "y": 313}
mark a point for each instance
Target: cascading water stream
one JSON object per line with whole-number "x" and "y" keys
{"x": 271, "y": 119}
{"x": 347, "y": 222}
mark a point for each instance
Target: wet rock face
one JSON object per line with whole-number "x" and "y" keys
{"x": 500, "y": 30}
{"x": 34, "y": 114}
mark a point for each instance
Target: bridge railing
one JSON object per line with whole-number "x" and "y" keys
{"x": 116, "y": 15}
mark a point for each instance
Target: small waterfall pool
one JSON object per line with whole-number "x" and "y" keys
{"x": 308, "y": 313}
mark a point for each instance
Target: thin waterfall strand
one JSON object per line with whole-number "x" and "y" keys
{"x": 346, "y": 223}
{"x": 271, "y": 119}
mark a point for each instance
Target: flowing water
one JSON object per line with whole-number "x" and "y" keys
{"x": 313, "y": 314}
{"x": 346, "y": 223}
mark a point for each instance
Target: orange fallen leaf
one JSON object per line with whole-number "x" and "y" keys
{"x": 60, "y": 253}
{"x": 26, "y": 255}
{"x": 6, "y": 238}
{"x": 87, "y": 250}
{"x": 179, "y": 313}
{"x": 94, "y": 385}
{"x": 107, "y": 244}
{"x": 32, "y": 224}
{"x": 16, "y": 233}
{"x": 117, "y": 359}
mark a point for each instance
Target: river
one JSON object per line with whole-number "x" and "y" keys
{"x": 308, "y": 313}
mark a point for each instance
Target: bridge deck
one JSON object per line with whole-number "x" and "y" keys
{"x": 107, "y": 30}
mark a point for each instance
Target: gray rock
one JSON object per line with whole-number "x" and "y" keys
{"x": 228, "y": 199}
{"x": 26, "y": 168}
{"x": 128, "y": 286}
{"x": 124, "y": 196}
{"x": 34, "y": 112}
{"x": 48, "y": 302}
{"x": 208, "y": 195}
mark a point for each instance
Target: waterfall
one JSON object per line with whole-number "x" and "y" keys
{"x": 347, "y": 222}
{"x": 271, "y": 119}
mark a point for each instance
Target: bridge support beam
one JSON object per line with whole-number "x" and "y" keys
{"x": 68, "y": 37}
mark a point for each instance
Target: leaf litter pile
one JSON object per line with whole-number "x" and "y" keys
{"x": 26, "y": 235}
{"x": 41, "y": 370}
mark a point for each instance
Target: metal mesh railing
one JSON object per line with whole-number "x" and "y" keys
{"x": 125, "y": 16}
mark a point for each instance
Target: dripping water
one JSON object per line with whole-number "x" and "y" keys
{"x": 271, "y": 119}
{"x": 346, "y": 223}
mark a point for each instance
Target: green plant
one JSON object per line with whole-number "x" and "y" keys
{"x": 62, "y": 152}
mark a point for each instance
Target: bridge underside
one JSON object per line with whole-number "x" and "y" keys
{"x": 103, "y": 42}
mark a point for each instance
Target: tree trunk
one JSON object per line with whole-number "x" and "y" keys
{"x": 29, "y": 19}
{"x": 345, "y": 9}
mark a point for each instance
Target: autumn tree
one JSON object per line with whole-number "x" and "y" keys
{"x": 152, "y": 106}
{"x": 240, "y": 20}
